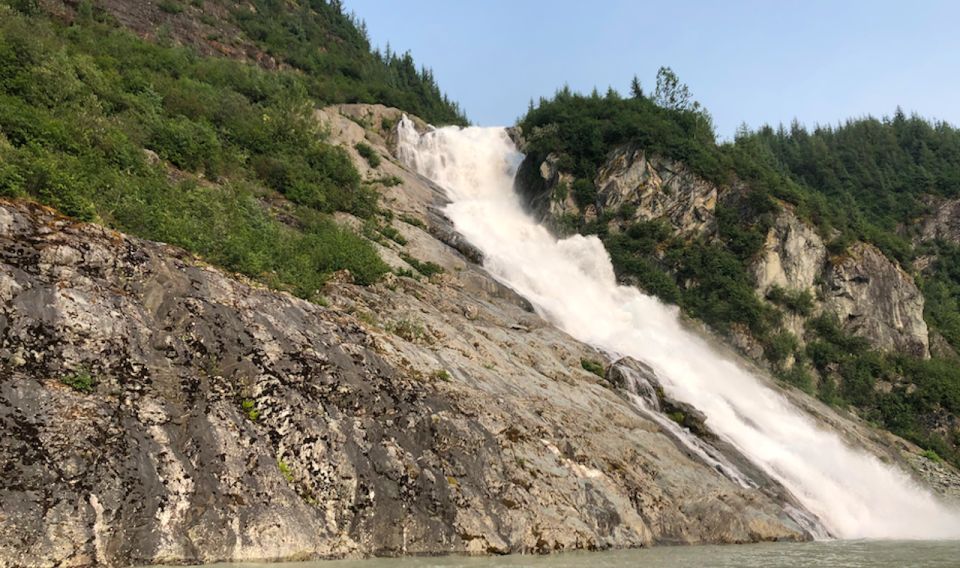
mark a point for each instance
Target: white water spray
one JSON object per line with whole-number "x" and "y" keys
{"x": 572, "y": 284}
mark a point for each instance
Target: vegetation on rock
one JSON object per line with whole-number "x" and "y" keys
{"x": 195, "y": 151}
{"x": 868, "y": 179}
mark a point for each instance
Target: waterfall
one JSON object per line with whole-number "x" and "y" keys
{"x": 571, "y": 283}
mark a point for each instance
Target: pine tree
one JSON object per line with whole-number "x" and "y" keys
{"x": 636, "y": 90}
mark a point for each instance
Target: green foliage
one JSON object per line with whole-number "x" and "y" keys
{"x": 584, "y": 193}
{"x": 592, "y": 366}
{"x": 941, "y": 290}
{"x": 863, "y": 178}
{"x": 368, "y": 154}
{"x": 583, "y": 129}
{"x": 670, "y": 92}
{"x": 923, "y": 388}
{"x": 797, "y": 301}
{"x": 249, "y": 408}
{"x": 932, "y": 456}
{"x": 427, "y": 268}
{"x": 79, "y": 104}
{"x": 408, "y": 329}
{"x": 81, "y": 381}
{"x": 333, "y": 51}
{"x": 440, "y": 375}
{"x": 393, "y": 234}
{"x": 410, "y": 220}
{"x": 285, "y": 470}
{"x": 799, "y": 377}
{"x": 170, "y": 6}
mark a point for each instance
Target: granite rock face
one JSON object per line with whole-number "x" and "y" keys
{"x": 943, "y": 223}
{"x": 649, "y": 186}
{"x": 157, "y": 410}
{"x": 792, "y": 257}
{"x": 876, "y": 299}
{"x": 657, "y": 188}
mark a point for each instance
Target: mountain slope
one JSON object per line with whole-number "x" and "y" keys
{"x": 798, "y": 247}
{"x": 210, "y": 419}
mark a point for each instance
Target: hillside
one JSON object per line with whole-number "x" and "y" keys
{"x": 173, "y": 137}
{"x": 827, "y": 256}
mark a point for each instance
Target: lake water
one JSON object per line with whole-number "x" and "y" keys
{"x": 835, "y": 554}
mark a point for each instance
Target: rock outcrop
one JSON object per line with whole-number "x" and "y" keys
{"x": 874, "y": 298}
{"x": 870, "y": 294}
{"x": 656, "y": 188}
{"x": 943, "y": 223}
{"x": 645, "y": 186}
{"x": 792, "y": 258}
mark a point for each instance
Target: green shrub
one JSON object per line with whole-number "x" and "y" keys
{"x": 249, "y": 408}
{"x": 368, "y": 153}
{"x": 797, "y": 301}
{"x": 407, "y": 329}
{"x": 170, "y": 6}
{"x": 932, "y": 456}
{"x": 393, "y": 234}
{"x": 592, "y": 366}
{"x": 427, "y": 268}
{"x": 408, "y": 219}
{"x": 80, "y": 381}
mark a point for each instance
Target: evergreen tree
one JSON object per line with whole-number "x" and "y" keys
{"x": 636, "y": 90}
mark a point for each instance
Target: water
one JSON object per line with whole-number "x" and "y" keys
{"x": 571, "y": 283}
{"x": 835, "y": 554}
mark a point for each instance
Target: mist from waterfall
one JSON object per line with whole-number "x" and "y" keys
{"x": 571, "y": 283}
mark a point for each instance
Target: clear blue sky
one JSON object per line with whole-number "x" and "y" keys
{"x": 747, "y": 61}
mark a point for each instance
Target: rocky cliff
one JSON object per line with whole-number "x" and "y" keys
{"x": 656, "y": 188}
{"x": 158, "y": 410}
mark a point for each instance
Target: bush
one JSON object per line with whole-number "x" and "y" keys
{"x": 80, "y": 381}
{"x": 170, "y": 6}
{"x": 427, "y": 269}
{"x": 592, "y": 366}
{"x": 799, "y": 302}
{"x": 369, "y": 154}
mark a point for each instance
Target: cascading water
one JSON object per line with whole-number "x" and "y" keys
{"x": 571, "y": 283}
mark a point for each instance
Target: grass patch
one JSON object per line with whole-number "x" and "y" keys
{"x": 411, "y": 220}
